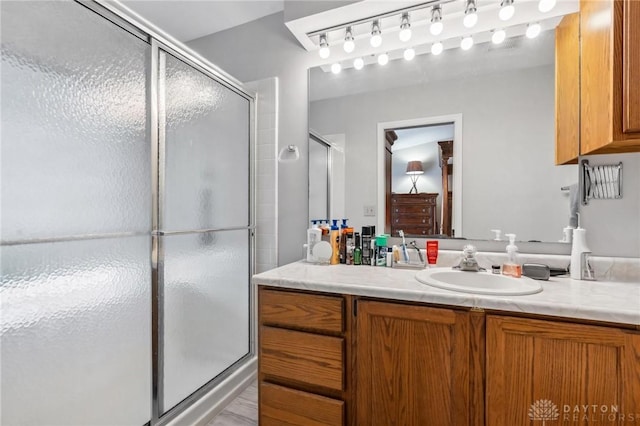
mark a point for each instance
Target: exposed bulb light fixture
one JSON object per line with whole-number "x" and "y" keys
{"x": 506, "y": 10}
{"x": 349, "y": 44}
{"x": 383, "y": 59}
{"x": 437, "y": 48}
{"x": 336, "y": 68}
{"x": 358, "y": 63}
{"x": 324, "y": 51}
{"x": 533, "y": 30}
{"x": 436, "y": 20}
{"x": 405, "y": 28}
{"x": 545, "y": 6}
{"x": 466, "y": 43}
{"x": 470, "y": 15}
{"x": 376, "y": 34}
{"x": 409, "y": 54}
{"x": 498, "y": 36}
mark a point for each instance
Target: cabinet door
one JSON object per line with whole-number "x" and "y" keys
{"x": 412, "y": 365}
{"x": 568, "y": 89}
{"x": 565, "y": 373}
{"x": 631, "y": 67}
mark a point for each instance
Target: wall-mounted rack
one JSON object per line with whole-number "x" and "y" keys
{"x": 600, "y": 182}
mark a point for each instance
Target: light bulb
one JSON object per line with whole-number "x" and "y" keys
{"x": 436, "y": 28}
{"x": 383, "y": 59}
{"x": 470, "y": 20}
{"x": 533, "y": 30}
{"x": 436, "y": 48}
{"x": 498, "y": 36}
{"x": 405, "y": 34}
{"x": 546, "y": 5}
{"x": 376, "y": 34}
{"x": 436, "y": 20}
{"x": 506, "y": 10}
{"x": 466, "y": 43}
{"x": 405, "y": 29}
{"x": 349, "y": 44}
{"x": 324, "y": 51}
{"x": 358, "y": 63}
{"x": 470, "y": 15}
{"x": 336, "y": 68}
{"x": 409, "y": 54}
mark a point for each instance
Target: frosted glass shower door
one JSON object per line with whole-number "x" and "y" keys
{"x": 75, "y": 284}
{"x": 205, "y": 228}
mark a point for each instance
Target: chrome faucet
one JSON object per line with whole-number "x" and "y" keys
{"x": 469, "y": 261}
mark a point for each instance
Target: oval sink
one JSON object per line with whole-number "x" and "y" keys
{"x": 478, "y": 282}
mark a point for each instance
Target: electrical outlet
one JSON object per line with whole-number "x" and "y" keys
{"x": 369, "y": 210}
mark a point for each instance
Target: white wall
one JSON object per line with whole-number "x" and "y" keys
{"x": 265, "y": 48}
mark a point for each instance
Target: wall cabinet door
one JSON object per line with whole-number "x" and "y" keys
{"x": 413, "y": 365}
{"x": 631, "y": 67}
{"x": 553, "y": 371}
{"x": 568, "y": 90}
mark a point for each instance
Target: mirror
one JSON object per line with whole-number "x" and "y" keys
{"x": 502, "y": 97}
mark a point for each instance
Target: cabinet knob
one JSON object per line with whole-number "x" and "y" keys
{"x": 397, "y": 210}
{"x": 424, "y": 210}
{"x": 423, "y": 221}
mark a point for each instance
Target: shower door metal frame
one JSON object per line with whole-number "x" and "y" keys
{"x": 160, "y": 41}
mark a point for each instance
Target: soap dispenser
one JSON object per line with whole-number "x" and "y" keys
{"x": 512, "y": 267}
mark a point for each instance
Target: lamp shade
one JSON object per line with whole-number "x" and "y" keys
{"x": 414, "y": 168}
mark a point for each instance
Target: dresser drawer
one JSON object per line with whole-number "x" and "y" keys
{"x": 401, "y": 220}
{"x": 416, "y": 199}
{"x": 412, "y": 209}
{"x": 284, "y": 406}
{"x": 413, "y": 230}
{"x": 297, "y": 310}
{"x": 302, "y": 357}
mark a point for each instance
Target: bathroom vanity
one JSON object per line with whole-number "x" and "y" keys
{"x": 373, "y": 346}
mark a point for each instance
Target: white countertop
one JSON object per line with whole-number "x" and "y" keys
{"x": 616, "y": 302}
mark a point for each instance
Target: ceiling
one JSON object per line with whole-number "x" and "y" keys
{"x": 187, "y": 20}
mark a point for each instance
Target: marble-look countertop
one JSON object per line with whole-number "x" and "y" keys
{"x": 615, "y": 302}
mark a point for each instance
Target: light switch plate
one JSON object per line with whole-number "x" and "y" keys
{"x": 369, "y": 210}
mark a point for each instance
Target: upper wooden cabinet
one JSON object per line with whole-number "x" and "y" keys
{"x": 609, "y": 76}
{"x": 568, "y": 90}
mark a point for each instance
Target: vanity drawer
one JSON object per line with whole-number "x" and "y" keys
{"x": 297, "y": 310}
{"x": 302, "y": 357}
{"x": 283, "y": 406}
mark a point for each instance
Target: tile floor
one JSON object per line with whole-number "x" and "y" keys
{"x": 242, "y": 411}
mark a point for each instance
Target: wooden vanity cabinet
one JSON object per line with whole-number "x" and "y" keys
{"x": 413, "y": 365}
{"x": 302, "y": 358}
{"x": 343, "y": 360}
{"x": 609, "y": 76}
{"x": 531, "y": 361}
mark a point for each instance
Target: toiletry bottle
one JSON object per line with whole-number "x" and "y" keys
{"x": 357, "y": 251}
{"x": 343, "y": 241}
{"x": 350, "y": 246}
{"x": 314, "y": 235}
{"x": 334, "y": 238}
{"x": 366, "y": 245}
{"x": 325, "y": 228}
{"x": 381, "y": 250}
{"x": 511, "y": 267}
{"x": 432, "y": 252}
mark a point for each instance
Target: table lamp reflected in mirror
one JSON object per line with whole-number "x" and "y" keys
{"x": 414, "y": 170}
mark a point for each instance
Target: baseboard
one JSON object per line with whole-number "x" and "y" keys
{"x": 212, "y": 403}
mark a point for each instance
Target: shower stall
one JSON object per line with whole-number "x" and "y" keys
{"x": 126, "y": 219}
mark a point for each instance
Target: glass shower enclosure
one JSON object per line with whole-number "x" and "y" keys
{"x": 127, "y": 232}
